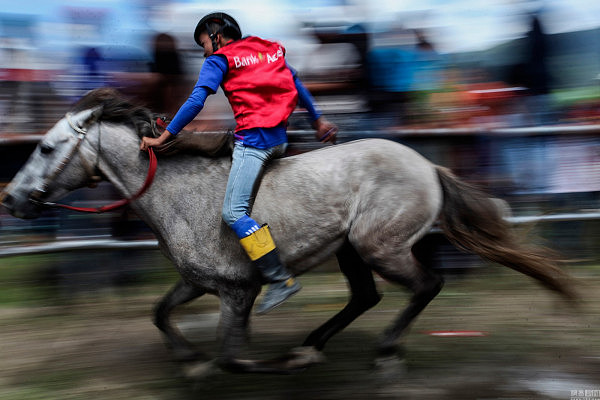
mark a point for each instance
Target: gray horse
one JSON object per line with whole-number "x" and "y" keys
{"x": 368, "y": 202}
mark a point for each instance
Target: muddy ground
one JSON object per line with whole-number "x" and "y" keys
{"x": 102, "y": 345}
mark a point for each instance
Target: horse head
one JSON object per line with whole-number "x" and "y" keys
{"x": 59, "y": 164}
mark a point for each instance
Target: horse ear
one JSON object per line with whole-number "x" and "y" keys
{"x": 95, "y": 115}
{"x": 87, "y": 117}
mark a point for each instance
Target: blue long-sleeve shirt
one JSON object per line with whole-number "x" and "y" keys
{"x": 210, "y": 78}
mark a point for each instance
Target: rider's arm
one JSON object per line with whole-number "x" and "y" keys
{"x": 305, "y": 99}
{"x": 326, "y": 131}
{"x": 210, "y": 78}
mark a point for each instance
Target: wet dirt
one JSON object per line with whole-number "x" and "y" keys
{"x": 104, "y": 346}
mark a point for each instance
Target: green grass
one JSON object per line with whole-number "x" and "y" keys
{"x": 21, "y": 279}
{"x": 29, "y": 280}
{"x": 567, "y": 97}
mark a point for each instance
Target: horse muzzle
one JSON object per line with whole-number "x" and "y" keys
{"x": 20, "y": 208}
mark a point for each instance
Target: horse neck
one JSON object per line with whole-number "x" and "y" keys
{"x": 126, "y": 167}
{"x": 117, "y": 150}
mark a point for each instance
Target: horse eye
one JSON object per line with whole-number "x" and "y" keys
{"x": 46, "y": 148}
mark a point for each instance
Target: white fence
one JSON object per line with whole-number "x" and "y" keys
{"x": 114, "y": 244}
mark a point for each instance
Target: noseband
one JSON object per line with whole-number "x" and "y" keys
{"x": 37, "y": 194}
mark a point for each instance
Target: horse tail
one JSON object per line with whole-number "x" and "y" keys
{"x": 473, "y": 221}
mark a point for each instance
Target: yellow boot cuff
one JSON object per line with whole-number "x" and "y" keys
{"x": 258, "y": 243}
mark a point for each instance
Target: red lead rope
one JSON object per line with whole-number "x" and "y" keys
{"x": 119, "y": 203}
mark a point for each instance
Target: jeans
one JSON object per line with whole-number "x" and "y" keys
{"x": 244, "y": 177}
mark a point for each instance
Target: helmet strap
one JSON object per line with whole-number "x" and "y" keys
{"x": 213, "y": 37}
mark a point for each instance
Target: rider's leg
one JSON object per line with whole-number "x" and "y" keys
{"x": 261, "y": 249}
{"x": 246, "y": 170}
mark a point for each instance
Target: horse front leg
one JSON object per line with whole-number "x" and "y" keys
{"x": 236, "y": 305}
{"x": 235, "y": 315}
{"x": 181, "y": 293}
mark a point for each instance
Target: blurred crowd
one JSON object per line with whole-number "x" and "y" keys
{"x": 383, "y": 75}
{"x": 395, "y": 76}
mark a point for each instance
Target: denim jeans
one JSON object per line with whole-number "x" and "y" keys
{"x": 244, "y": 177}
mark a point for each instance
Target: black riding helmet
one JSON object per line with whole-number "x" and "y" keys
{"x": 229, "y": 27}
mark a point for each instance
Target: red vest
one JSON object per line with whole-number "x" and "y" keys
{"x": 258, "y": 83}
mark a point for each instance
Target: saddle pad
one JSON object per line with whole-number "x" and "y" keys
{"x": 210, "y": 144}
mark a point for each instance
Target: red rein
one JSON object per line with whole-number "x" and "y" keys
{"x": 119, "y": 203}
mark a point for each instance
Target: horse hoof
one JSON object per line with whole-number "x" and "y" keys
{"x": 200, "y": 370}
{"x": 303, "y": 357}
{"x": 297, "y": 360}
{"x": 392, "y": 366}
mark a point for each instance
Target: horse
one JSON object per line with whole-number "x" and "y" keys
{"x": 368, "y": 202}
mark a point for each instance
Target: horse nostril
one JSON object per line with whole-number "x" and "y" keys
{"x": 7, "y": 200}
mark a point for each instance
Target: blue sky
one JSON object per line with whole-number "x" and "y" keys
{"x": 455, "y": 25}
{"x": 476, "y": 24}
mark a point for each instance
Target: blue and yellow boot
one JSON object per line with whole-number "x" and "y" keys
{"x": 261, "y": 249}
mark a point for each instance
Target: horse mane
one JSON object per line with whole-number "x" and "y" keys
{"x": 117, "y": 108}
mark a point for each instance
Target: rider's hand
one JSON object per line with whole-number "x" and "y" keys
{"x": 326, "y": 131}
{"x": 153, "y": 142}
{"x": 149, "y": 142}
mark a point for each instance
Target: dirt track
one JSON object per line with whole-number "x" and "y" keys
{"x": 104, "y": 346}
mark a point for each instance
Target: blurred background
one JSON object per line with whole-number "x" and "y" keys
{"x": 506, "y": 93}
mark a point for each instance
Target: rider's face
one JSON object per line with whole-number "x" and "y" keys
{"x": 206, "y": 44}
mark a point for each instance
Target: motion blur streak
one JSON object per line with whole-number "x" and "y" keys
{"x": 506, "y": 94}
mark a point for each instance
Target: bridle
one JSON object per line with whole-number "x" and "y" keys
{"x": 92, "y": 172}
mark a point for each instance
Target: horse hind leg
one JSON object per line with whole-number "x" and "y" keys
{"x": 424, "y": 285}
{"x": 364, "y": 296}
{"x": 181, "y": 293}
